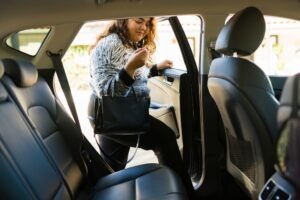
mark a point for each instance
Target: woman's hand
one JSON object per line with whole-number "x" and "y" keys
{"x": 136, "y": 60}
{"x": 164, "y": 64}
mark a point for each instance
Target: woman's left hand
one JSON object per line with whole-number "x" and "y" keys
{"x": 164, "y": 64}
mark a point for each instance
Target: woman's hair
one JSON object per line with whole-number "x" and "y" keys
{"x": 120, "y": 28}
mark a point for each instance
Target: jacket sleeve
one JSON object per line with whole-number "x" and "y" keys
{"x": 106, "y": 77}
{"x": 153, "y": 71}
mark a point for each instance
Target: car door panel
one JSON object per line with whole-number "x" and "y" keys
{"x": 165, "y": 99}
{"x": 166, "y": 114}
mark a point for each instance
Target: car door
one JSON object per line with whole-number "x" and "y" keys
{"x": 175, "y": 94}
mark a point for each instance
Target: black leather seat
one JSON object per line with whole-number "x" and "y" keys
{"x": 37, "y": 159}
{"x": 284, "y": 183}
{"x": 245, "y": 98}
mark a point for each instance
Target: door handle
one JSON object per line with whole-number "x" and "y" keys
{"x": 168, "y": 80}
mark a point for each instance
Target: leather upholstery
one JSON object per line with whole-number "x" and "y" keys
{"x": 1, "y": 71}
{"x": 21, "y": 72}
{"x": 45, "y": 115}
{"x": 252, "y": 83}
{"x": 26, "y": 167}
{"x": 141, "y": 182}
{"x": 245, "y": 98}
{"x": 286, "y": 101}
{"x": 3, "y": 94}
{"x": 243, "y": 33}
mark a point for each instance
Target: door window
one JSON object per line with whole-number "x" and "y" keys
{"x": 167, "y": 44}
{"x": 28, "y": 41}
{"x": 279, "y": 53}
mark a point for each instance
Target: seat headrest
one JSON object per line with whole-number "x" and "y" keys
{"x": 1, "y": 71}
{"x": 243, "y": 33}
{"x": 23, "y": 73}
{"x": 290, "y": 93}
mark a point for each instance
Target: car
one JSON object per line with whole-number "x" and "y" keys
{"x": 224, "y": 162}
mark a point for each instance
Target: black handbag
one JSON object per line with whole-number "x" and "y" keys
{"x": 118, "y": 115}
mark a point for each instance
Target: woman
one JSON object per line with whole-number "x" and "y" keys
{"x": 120, "y": 59}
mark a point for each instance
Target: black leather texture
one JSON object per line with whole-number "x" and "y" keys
{"x": 246, "y": 101}
{"x": 1, "y": 71}
{"x": 289, "y": 137}
{"x": 44, "y": 114}
{"x": 142, "y": 182}
{"x": 252, "y": 83}
{"x": 243, "y": 33}
{"x": 25, "y": 171}
{"x": 38, "y": 152}
{"x": 286, "y": 101}
{"x": 21, "y": 72}
{"x": 122, "y": 115}
{"x": 3, "y": 93}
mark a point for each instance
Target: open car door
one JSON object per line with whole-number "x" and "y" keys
{"x": 175, "y": 94}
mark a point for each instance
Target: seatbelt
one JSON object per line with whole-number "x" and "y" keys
{"x": 61, "y": 74}
{"x": 86, "y": 149}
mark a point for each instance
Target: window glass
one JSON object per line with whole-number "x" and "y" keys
{"x": 192, "y": 26}
{"x": 28, "y": 41}
{"x": 167, "y": 44}
{"x": 279, "y": 53}
{"x": 76, "y": 64}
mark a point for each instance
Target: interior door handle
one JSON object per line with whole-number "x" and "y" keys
{"x": 168, "y": 80}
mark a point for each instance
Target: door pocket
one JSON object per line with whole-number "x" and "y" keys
{"x": 165, "y": 114}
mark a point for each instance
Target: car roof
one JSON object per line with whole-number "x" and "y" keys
{"x": 67, "y": 16}
{"x": 38, "y": 12}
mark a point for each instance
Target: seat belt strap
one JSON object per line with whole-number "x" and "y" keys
{"x": 87, "y": 150}
{"x": 61, "y": 74}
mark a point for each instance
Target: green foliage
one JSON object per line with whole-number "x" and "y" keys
{"x": 76, "y": 63}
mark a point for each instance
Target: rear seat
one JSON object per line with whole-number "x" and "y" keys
{"x": 38, "y": 154}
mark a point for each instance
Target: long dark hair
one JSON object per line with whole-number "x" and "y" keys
{"x": 120, "y": 28}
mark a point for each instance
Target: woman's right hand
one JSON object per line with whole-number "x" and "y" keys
{"x": 136, "y": 60}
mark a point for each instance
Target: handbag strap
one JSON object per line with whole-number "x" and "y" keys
{"x": 111, "y": 86}
{"x": 115, "y": 160}
{"x": 98, "y": 109}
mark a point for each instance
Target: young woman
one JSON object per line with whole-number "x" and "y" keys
{"x": 121, "y": 59}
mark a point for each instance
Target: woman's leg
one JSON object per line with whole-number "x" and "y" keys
{"x": 163, "y": 142}
{"x": 114, "y": 153}
{"x": 161, "y": 139}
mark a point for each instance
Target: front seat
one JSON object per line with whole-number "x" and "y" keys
{"x": 245, "y": 99}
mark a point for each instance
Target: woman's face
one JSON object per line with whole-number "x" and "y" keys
{"x": 138, "y": 28}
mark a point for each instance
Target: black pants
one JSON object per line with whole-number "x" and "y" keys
{"x": 160, "y": 138}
